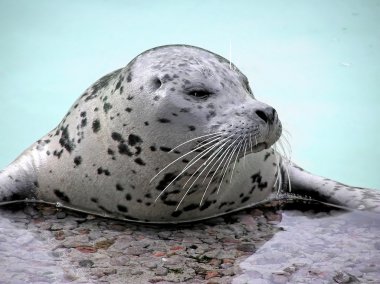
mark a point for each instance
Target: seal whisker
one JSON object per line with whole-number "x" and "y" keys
{"x": 211, "y": 134}
{"x": 236, "y": 159}
{"x": 288, "y": 176}
{"x": 225, "y": 168}
{"x": 245, "y": 149}
{"x": 250, "y": 141}
{"x": 189, "y": 165}
{"x": 183, "y": 197}
{"x": 204, "y": 193}
{"x": 191, "y": 151}
{"x": 207, "y": 162}
{"x": 215, "y": 162}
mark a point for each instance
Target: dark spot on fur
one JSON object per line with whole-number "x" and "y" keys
{"x": 146, "y": 123}
{"x": 256, "y": 178}
{"x": 163, "y": 120}
{"x": 134, "y": 139}
{"x": 165, "y": 181}
{"x": 221, "y": 205}
{"x": 116, "y": 136}
{"x": 83, "y": 114}
{"x": 129, "y": 77}
{"x": 122, "y": 208}
{"x": 191, "y": 207}
{"x": 83, "y": 122}
{"x": 176, "y": 213}
{"x": 124, "y": 150}
{"x": 128, "y": 196}
{"x": 205, "y": 205}
{"x": 118, "y": 85}
{"x": 103, "y": 171}
{"x": 107, "y": 107}
{"x": 93, "y": 199}
{"x": 185, "y": 110}
{"x": 140, "y": 161}
{"x": 65, "y": 140}
{"x": 78, "y": 160}
{"x": 58, "y": 153}
{"x": 245, "y": 199}
{"x": 110, "y": 152}
{"x": 119, "y": 187}
{"x": 267, "y": 155}
{"x": 95, "y": 125}
{"x": 165, "y": 149}
{"x": 61, "y": 195}
{"x": 152, "y": 148}
{"x": 128, "y": 109}
{"x": 191, "y": 127}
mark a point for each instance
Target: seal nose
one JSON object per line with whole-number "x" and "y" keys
{"x": 267, "y": 114}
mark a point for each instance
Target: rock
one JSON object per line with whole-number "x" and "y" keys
{"x": 246, "y": 247}
{"x": 211, "y": 274}
{"x": 86, "y": 263}
{"x": 61, "y": 215}
{"x": 161, "y": 271}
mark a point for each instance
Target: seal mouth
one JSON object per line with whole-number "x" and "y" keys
{"x": 260, "y": 147}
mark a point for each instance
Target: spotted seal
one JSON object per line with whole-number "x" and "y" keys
{"x": 175, "y": 136}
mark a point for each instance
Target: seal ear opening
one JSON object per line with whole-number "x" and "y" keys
{"x": 156, "y": 83}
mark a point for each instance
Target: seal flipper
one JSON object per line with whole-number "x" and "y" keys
{"x": 319, "y": 188}
{"x": 19, "y": 180}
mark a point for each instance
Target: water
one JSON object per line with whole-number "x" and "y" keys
{"x": 317, "y": 62}
{"x": 318, "y": 248}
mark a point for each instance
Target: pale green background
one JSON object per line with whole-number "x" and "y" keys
{"x": 317, "y": 62}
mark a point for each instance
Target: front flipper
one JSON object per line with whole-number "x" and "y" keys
{"x": 323, "y": 189}
{"x": 18, "y": 181}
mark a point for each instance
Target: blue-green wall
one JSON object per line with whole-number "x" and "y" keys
{"x": 317, "y": 62}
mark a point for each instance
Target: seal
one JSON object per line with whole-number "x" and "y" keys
{"x": 175, "y": 136}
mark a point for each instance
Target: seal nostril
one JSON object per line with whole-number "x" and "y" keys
{"x": 262, "y": 115}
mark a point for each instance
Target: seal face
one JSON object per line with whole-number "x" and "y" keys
{"x": 175, "y": 136}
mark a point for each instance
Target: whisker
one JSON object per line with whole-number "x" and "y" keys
{"x": 189, "y": 165}
{"x": 191, "y": 151}
{"x": 235, "y": 160}
{"x": 250, "y": 140}
{"x": 225, "y": 168}
{"x": 204, "y": 193}
{"x": 287, "y": 173}
{"x": 245, "y": 148}
{"x": 215, "y": 154}
{"x": 206, "y": 176}
{"x": 213, "y": 134}
{"x": 215, "y": 162}
{"x": 205, "y": 163}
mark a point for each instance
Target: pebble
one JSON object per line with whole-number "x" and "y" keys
{"x": 161, "y": 271}
{"x": 86, "y": 263}
{"x": 61, "y": 215}
{"x": 247, "y": 247}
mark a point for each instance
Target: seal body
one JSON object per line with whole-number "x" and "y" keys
{"x": 174, "y": 136}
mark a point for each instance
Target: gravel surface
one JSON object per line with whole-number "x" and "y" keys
{"x": 263, "y": 245}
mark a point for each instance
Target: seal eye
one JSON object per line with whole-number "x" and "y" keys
{"x": 199, "y": 94}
